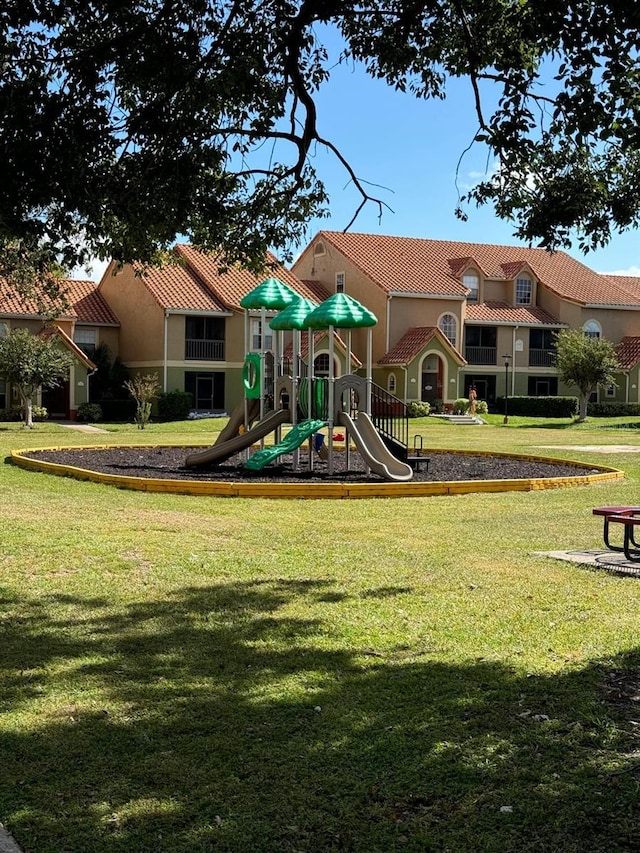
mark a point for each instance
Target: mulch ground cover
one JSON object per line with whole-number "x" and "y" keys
{"x": 169, "y": 463}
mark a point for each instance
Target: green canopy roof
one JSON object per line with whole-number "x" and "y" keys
{"x": 294, "y": 315}
{"x": 272, "y": 294}
{"x": 342, "y": 312}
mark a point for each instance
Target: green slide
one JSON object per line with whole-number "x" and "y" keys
{"x": 292, "y": 439}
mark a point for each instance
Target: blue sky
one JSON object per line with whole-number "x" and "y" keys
{"x": 410, "y": 149}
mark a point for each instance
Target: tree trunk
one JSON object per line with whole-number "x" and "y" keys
{"x": 583, "y": 399}
{"x": 27, "y": 403}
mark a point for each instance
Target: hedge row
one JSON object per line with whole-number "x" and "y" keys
{"x": 539, "y": 407}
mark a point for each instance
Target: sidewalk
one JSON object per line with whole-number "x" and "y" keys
{"x": 79, "y": 428}
{"x": 7, "y": 844}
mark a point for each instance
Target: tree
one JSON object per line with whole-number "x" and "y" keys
{"x": 586, "y": 363}
{"x": 143, "y": 389}
{"x": 29, "y": 362}
{"x": 123, "y": 125}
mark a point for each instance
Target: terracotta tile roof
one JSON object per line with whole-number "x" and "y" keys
{"x": 56, "y": 331}
{"x": 413, "y": 342}
{"x": 12, "y": 303}
{"x": 503, "y": 312}
{"x": 317, "y": 338}
{"x": 88, "y": 303}
{"x": 176, "y": 287}
{"x": 414, "y": 265}
{"x": 630, "y": 283}
{"x": 628, "y": 352}
{"x": 229, "y": 287}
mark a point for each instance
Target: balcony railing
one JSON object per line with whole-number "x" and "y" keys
{"x": 542, "y": 358}
{"x": 480, "y": 355}
{"x": 203, "y": 350}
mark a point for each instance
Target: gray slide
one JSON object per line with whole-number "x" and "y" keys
{"x": 373, "y": 449}
{"x": 224, "y": 450}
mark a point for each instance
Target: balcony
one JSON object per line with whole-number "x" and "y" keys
{"x": 481, "y": 355}
{"x": 201, "y": 350}
{"x": 542, "y": 358}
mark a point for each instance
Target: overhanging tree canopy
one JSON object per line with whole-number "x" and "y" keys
{"x": 123, "y": 125}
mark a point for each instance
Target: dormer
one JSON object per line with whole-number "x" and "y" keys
{"x": 522, "y": 283}
{"x": 470, "y": 273}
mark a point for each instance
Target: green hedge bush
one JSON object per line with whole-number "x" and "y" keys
{"x": 540, "y": 407}
{"x": 174, "y": 405}
{"x": 418, "y": 409}
{"x": 612, "y": 409}
{"x": 89, "y": 412}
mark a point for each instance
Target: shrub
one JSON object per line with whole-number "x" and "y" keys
{"x": 174, "y": 405}
{"x": 89, "y": 412}
{"x": 460, "y": 406}
{"x": 15, "y": 414}
{"x": 143, "y": 389}
{"x": 418, "y": 409}
{"x": 481, "y": 407}
{"x": 540, "y": 407}
{"x": 613, "y": 409}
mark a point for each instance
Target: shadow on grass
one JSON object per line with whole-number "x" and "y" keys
{"x": 211, "y": 720}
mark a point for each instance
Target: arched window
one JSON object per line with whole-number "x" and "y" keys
{"x": 448, "y": 326}
{"x": 318, "y": 249}
{"x": 592, "y": 329}
{"x": 391, "y": 383}
{"x": 472, "y": 282}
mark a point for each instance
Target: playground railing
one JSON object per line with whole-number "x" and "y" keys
{"x": 390, "y": 417}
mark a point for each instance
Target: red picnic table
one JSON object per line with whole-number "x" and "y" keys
{"x": 629, "y": 517}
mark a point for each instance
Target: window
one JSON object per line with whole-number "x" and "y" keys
{"x": 610, "y": 391}
{"x": 256, "y": 336}
{"x": 592, "y": 329}
{"x": 523, "y": 291}
{"x": 542, "y": 386}
{"x": 448, "y": 326}
{"x": 3, "y": 394}
{"x": 318, "y": 249}
{"x": 321, "y": 365}
{"x": 339, "y": 282}
{"x": 86, "y": 339}
{"x": 204, "y": 338}
{"x": 4, "y": 330}
{"x": 472, "y": 282}
{"x": 391, "y": 383}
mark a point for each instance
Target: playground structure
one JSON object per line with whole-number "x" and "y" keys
{"x": 279, "y": 391}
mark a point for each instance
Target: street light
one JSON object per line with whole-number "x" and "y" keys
{"x": 507, "y": 361}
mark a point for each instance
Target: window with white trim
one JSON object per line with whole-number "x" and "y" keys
{"x": 340, "y": 282}
{"x": 391, "y": 383}
{"x": 448, "y": 325}
{"x": 4, "y": 330}
{"x": 86, "y": 339}
{"x": 256, "y": 336}
{"x": 472, "y": 281}
{"x": 610, "y": 391}
{"x": 321, "y": 365}
{"x": 592, "y": 329}
{"x": 524, "y": 290}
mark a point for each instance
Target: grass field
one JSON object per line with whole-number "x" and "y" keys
{"x": 249, "y": 676}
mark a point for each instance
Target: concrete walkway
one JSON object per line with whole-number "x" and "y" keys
{"x": 7, "y": 843}
{"x": 80, "y": 428}
{"x": 613, "y": 562}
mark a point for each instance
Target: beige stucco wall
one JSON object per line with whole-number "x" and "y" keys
{"x": 141, "y": 318}
{"x": 357, "y": 285}
{"x": 407, "y": 312}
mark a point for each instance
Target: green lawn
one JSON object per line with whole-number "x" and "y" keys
{"x": 202, "y": 674}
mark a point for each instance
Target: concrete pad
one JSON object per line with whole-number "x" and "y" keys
{"x": 609, "y": 561}
{"x": 7, "y": 843}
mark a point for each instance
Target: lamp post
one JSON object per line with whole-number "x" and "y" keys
{"x": 507, "y": 361}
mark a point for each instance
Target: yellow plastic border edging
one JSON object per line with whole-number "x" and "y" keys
{"x": 320, "y": 490}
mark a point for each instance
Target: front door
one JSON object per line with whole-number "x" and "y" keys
{"x": 429, "y": 387}
{"x": 207, "y": 390}
{"x": 56, "y": 400}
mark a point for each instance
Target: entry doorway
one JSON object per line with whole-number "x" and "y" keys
{"x": 56, "y": 401}
{"x": 207, "y": 390}
{"x": 431, "y": 379}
